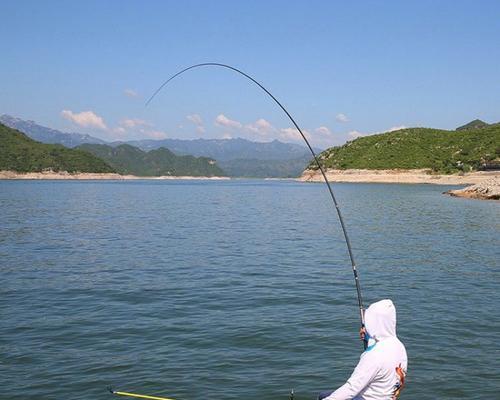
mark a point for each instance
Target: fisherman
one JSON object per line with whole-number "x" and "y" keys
{"x": 380, "y": 373}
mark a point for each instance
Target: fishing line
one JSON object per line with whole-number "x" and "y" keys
{"x": 330, "y": 190}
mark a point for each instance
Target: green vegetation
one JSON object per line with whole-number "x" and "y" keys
{"x": 22, "y": 154}
{"x": 416, "y": 148}
{"x": 131, "y": 160}
{"x": 476, "y": 124}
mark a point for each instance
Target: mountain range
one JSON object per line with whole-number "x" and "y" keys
{"x": 130, "y": 160}
{"x": 224, "y": 149}
{"x": 47, "y": 135}
{"x": 237, "y": 157}
{"x": 20, "y": 153}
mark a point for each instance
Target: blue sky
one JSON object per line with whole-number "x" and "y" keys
{"x": 343, "y": 69}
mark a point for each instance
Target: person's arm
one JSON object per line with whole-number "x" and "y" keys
{"x": 363, "y": 374}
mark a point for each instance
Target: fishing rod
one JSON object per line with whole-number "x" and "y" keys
{"x": 137, "y": 396}
{"x": 145, "y": 396}
{"x": 330, "y": 190}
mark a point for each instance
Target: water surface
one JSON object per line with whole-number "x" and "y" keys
{"x": 240, "y": 289}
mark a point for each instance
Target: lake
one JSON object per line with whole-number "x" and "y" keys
{"x": 240, "y": 289}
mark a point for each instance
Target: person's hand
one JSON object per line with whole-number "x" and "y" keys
{"x": 362, "y": 333}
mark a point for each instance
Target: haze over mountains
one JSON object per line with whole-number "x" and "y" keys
{"x": 237, "y": 157}
{"x": 224, "y": 149}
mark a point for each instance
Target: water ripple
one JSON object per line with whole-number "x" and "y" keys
{"x": 240, "y": 288}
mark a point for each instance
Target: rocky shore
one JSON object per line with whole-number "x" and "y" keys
{"x": 399, "y": 176}
{"x": 91, "y": 176}
{"x": 486, "y": 190}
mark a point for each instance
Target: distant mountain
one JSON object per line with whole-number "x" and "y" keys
{"x": 238, "y": 157}
{"x": 127, "y": 159}
{"x": 226, "y": 149}
{"x": 47, "y": 135}
{"x": 252, "y": 168}
{"x": 475, "y": 124}
{"x": 20, "y": 153}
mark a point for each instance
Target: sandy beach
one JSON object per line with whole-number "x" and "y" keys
{"x": 398, "y": 176}
{"x": 92, "y": 176}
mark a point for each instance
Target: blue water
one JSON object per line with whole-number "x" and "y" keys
{"x": 240, "y": 289}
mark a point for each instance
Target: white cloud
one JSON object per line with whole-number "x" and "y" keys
{"x": 355, "y": 134}
{"x": 261, "y": 127}
{"x": 195, "y": 119}
{"x": 341, "y": 118}
{"x": 87, "y": 119}
{"x": 133, "y": 128}
{"x": 130, "y": 93}
{"x": 133, "y": 123}
{"x": 198, "y": 121}
{"x": 226, "y": 136}
{"x": 395, "y": 128}
{"x": 151, "y": 133}
{"x": 119, "y": 130}
{"x": 264, "y": 130}
{"x": 324, "y": 131}
{"x": 155, "y": 134}
{"x": 225, "y": 122}
{"x": 294, "y": 134}
{"x": 128, "y": 128}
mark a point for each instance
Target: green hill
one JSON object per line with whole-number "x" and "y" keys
{"x": 475, "y": 124}
{"x": 128, "y": 159}
{"x": 20, "y": 153}
{"x": 414, "y": 148}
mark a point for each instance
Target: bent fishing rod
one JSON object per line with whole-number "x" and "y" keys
{"x": 330, "y": 190}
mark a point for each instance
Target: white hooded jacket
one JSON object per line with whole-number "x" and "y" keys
{"x": 380, "y": 372}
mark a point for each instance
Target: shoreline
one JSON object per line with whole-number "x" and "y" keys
{"x": 485, "y": 190}
{"x": 421, "y": 176}
{"x": 416, "y": 176}
{"x": 63, "y": 175}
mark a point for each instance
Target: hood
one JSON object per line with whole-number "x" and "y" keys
{"x": 380, "y": 320}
